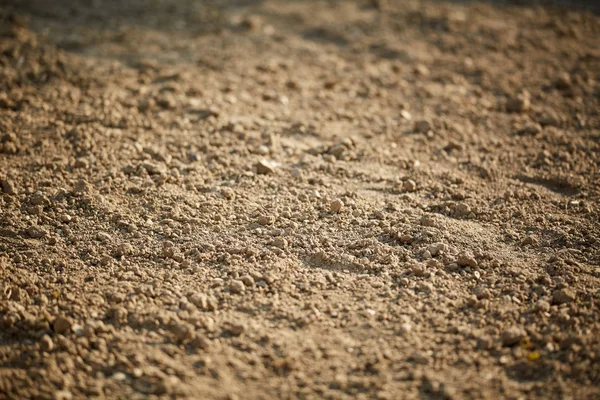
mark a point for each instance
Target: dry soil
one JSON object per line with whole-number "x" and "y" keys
{"x": 299, "y": 199}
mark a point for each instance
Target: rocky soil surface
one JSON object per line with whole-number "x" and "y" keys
{"x": 299, "y": 199}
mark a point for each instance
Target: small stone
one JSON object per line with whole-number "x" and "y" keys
{"x": 563, "y": 82}
{"x": 406, "y": 328}
{"x": 236, "y": 286}
{"x": 518, "y": 104}
{"x": 46, "y": 344}
{"x": 252, "y": 22}
{"x": 421, "y": 70}
{"x": 436, "y": 248}
{"x": 406, "y": 115}
{"x": 62, "y": 395}
{"x": 237, "y": 329}
{"x": 38, "y": 199}
{"x": 280, "y": 242}
{"x": 103, "y": 236}
{"x": 182, "y": 332}
{"x": 336, "y": 206}
{"x": 563, "y": 296}
{"x": 154, "y": 168}
{"x": 485, "y": 342}
{"x": 428, "y": 220}
{"x": 36, "y": 232}
{"x": 425, "y": 287}
{"x": 62, "y": 325}
{"x": 337, "y": 150}
{"x": 227, "y": 193}
{"x": 200, "y": 342}
{"x": 248, "y": 281}
{"x": 531, "y": 128}
{"x": 542, "y": 306}
{"x": 462, "y": 210}
{"x": 124, "y": 249}
{"x": 466, "y": 260}
{"x": 512, "y": 335}
{"x": 264, "y": 167}
{"x": 119, "y": 376}
{"x": 420, "y": 358}
{"x": 422, "y": 126}
{"x": 481, "y": 293}
{"x": 405, "y": 238}
{"x": 266, "y": 219}
{"x": 409, "y": 185}
{"x": 7, "y": 187}
{"x": 204, "y": 302}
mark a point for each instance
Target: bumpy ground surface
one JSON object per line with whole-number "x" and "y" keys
{"x": 300, "y": 199}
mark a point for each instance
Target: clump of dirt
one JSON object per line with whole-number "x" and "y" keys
{"x": 298, "y": 200}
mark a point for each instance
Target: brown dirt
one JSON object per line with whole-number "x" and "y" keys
{"x": 298, "y": 199}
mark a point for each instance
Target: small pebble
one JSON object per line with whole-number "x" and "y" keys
{"x": 237, "y": 286}
{"x": 280, "y": 242}
{"x": 266, "y": 219}
{"x": 542, "y": 306}
{"x": 409, "y": 185}
{"x": 46, "y": 344}
{"x": 512, "y": 335}
{"x": 7, "y": 187}
{"x": 518, "y": 104}
{"x": 264, "y": 167}
{"x": 248, "y": 281}
{"x": 422, "y": 126}
{"x": 336, "y": 206}
{"x": 62, "y": 325}
{"x": 466, "y": 260}
{"x": 563, "y": 296}
{"x": 237, "y": 329}
{"x": 103, "y": 236}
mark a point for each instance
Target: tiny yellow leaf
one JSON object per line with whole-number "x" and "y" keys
{"x": 534, "y": 355}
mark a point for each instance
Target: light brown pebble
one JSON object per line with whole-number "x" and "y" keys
{"x": 518, "y": 104}
{"x": 7, "y": 187}
{"x": 266, "y": 219}
{"x": 236, "y": 286}
{"x": 35, "y": 232}
{"x": 264, "y": 167}
{"x": 542, "y": 306}
{"x": 227, "y": 193}
{"x": 247, "y": 280}
{"x": 563, "y": 296}
{"x": 422, "y": 126}
{"x": 280, "y": 242}
{"x": 466, "y": 260}
{"x": 237, "y": 329}
{"x": 512, "y": 335}
{"x": 462, "y": 210}
{"x": 62, "y": 395}
{"x": 124, "y": 249}
{"x": 409, "y": 185}
{"x": 103, "y": 236}
{"x": 200, "y": 342}
{"x": 405, "y": 238}
{"x": 62, "y": 325}
{"x": 336, "y": 206}
{"x": 182, "y": 332}
{"x": 46, "y": 344}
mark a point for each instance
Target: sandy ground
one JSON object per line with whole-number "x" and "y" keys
{"x": 298, "y": 200}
